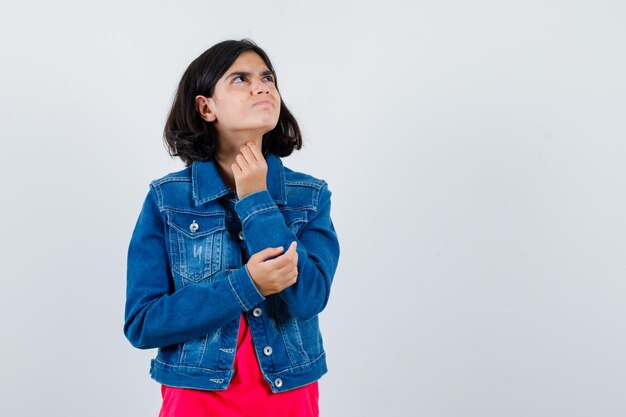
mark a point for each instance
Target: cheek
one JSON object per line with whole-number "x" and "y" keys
{"x": 278, "y": 111}
{"x": 232, "y": 108}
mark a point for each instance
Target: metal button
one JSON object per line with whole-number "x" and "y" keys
{"x": 257, "y": 312}
{"x": 241, "y": 235}
{"x": 194, "y": 227}
{"x": 278, "y": 382}
{"x": 267, "y": 350}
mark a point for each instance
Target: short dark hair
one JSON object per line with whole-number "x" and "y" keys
{"x": 191, "y": 138}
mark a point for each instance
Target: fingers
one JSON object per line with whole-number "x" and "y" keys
{"x": 236, "y": 170}
{"x": 247, "y": 153}
{"x": 267, "y": 253}
{"x": 291, "y": 269}
{"x": 256, "y": 150}
{"x": 286, "y": 259}
{"x": 250, "y": 154}
{"x": 276, "y": 274}
{"x": 241, "y": 163}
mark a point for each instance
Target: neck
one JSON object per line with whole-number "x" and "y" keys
{"x": 226, "y": 154}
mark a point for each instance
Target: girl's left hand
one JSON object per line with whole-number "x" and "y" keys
{"x": 250, "y": 170}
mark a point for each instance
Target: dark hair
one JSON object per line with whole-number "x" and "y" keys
{"x": 192, "y": 138}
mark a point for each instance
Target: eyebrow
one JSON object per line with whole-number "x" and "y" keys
{"x": 238, "y": 73}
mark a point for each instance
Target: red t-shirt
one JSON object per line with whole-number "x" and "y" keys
{"x": 247, "y": 395}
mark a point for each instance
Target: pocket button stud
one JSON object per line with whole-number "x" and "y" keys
{"x": 194, "y": 227}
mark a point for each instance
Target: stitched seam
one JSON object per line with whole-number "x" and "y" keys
{"x": 299, "y": 339}
{"x": 169, "y": 365}
{"x": 283, "y": 182}
{"x": 181, "y": 355}
{"x": 301, "y": 365}
{"x": 159, "y": 195}
{"x": 257, "y": 212}
{"x": 250, "y": 276}
{"x": 198, "y": 213}
{"x": 300, "y": 208}
{"x": 182, "y": 260}
{"x": 235, "y": 292}
{"x": 316, "y": 197}
{"x": 197, "y": 235}
{"x": 256, "y": 192}
{"x": 202, "y": 349}
{"x": 282, "y": 333}
{"x": 305, "y": 184}
{"x": 175, "y": 261}
{"x": 260, "y": 206}
{"x": 194, "y": 173}
{"x": 213, "y": 197}
{"x": 164, "y": 180}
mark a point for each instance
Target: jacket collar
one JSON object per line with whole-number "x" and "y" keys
{"x": 208, "y": 185}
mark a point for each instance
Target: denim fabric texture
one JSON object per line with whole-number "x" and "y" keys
{"x": 188, "y": 283}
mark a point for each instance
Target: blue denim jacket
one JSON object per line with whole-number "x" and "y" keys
{"x": 188, "y": 283}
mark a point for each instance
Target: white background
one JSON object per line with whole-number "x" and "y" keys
{"x": 475, "y": 151}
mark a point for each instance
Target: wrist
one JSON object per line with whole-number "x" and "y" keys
{"x": 247, "y": 193}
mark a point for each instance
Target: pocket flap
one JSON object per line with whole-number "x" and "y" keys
{"x": 194, "y": 225}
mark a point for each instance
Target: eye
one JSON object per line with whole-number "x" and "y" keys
{"x": 269, "y": 78}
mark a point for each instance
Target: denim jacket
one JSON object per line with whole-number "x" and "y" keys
{"x": 188, "y": 282}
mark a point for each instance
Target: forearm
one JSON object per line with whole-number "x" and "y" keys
{"x": 154, "y": 320}
{"x": 318, "y": 249}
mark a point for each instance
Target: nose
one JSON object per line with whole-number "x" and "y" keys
{"x": 259, "y": 87}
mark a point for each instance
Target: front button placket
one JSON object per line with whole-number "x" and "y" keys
{"x": 230, "y": 206}
{"x": 257, "y": 311}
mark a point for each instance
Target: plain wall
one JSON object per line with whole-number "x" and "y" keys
{"x": 475, "y": 151}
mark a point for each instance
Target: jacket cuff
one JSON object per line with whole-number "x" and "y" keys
{"x": 254, "y": 203}
{"x": 244, "y": 289}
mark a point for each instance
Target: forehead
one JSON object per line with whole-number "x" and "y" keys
{"x": 248, "y": 61}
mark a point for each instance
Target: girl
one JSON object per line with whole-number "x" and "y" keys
{"x": 234, "y": 314}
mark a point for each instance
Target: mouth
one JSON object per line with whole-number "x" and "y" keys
{"x": 262, "y": 103}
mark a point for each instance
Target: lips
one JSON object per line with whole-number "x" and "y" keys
{"x": 262, "y": 103}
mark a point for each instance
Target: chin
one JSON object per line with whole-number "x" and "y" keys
{"x": 269, "y": 126}
{"x": 263, "y": 125}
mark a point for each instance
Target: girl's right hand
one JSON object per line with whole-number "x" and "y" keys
{"x": 276, "y": 274}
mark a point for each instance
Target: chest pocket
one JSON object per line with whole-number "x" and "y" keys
{"x": 295, "y": 220}
{"x": 195, "y": 244}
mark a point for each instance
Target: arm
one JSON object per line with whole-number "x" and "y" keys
{"x": 318, "y": 248}
{"x": 155, "y": 315}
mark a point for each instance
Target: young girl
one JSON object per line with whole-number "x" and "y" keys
{"x": 233, "y": 257}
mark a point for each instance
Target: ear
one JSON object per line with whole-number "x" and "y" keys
{"x": 204, "y": 106}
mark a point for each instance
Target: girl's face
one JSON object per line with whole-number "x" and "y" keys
{"x": 245, "y": 103}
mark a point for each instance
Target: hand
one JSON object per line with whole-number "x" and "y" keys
{"x": 250, "y": 170}
{"x": 276, "y": 274}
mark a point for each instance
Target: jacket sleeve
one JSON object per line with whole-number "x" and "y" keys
{"x": 155, "y": 315}
{"x": 318, "y": 247}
